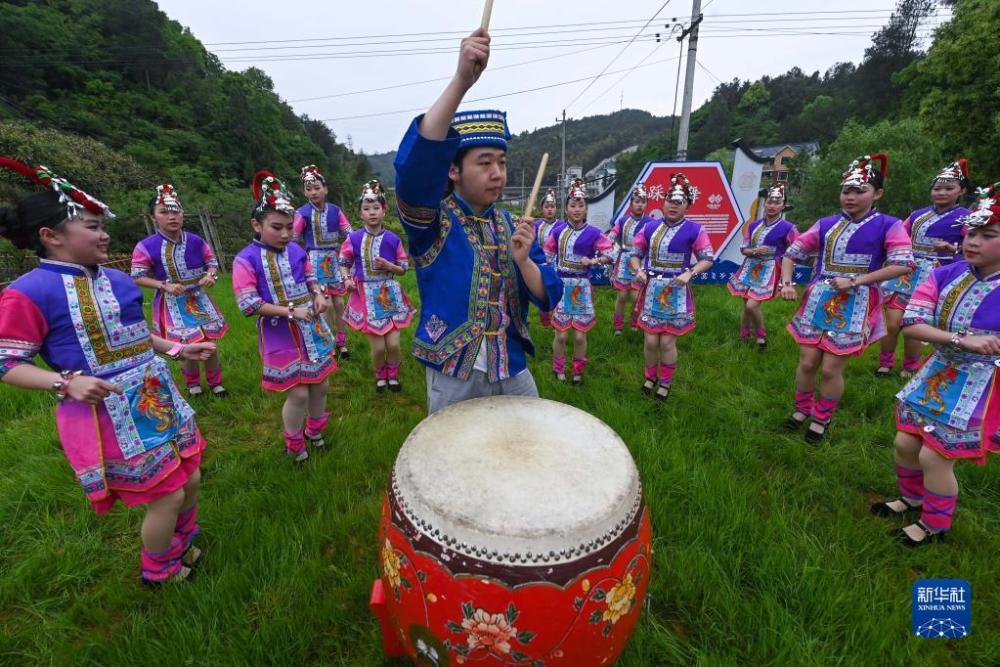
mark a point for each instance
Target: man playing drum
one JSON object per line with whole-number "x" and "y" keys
{"x": 477, "y": 267}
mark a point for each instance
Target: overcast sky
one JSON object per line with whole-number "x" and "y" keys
{"x": 318, "y": 49}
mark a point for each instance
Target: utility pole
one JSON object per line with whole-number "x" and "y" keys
{"x": 682, "y": 135}
{"x": 560, "y": 181}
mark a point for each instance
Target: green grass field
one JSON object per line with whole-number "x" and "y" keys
{"x": 765, "y": 550}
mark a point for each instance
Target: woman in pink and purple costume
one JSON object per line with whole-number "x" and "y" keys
{"x": 321, "y": 228}
{"x": 950, "y": 410}
{"x": 274, "y": 281}
{"x": 840, "y": 314}
{"x": 179, "y": 265}
{"x": 936, "y": 240}
{"x": 669, "y": 253}
{"x": 370, "y": 260}
{"x": 623, "y": 234}
{"x": 764, "y": 244}
{"x": 543, "y": 226}
{"x": 572, "y": 247}
{"x": 124, "y": 427}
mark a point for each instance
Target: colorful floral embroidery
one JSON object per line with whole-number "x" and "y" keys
{"x": 488, "y": 634}
{"x": 391, "y": 565}
{"x": 435, "y": 327}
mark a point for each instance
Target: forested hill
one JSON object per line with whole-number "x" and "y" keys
{"x": 588, "y": 141}
{"x": 124, "y": 74}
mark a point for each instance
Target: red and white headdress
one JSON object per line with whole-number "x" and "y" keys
{"x": 75, "y": 199}
{"x": 312, "y": 174}
{"x": 776, "y": 191}
{"x": 373, "y": 191}
{"x": 639, "y": 192}
{"x": 986, "y": 211}
{"x": 167, "y": 196}
{"x": 550, "y": 197}
{"x": 576, "y": 189}
{"x": 679, "y": 189}
{"x": 956, "y": 171}
{"x": 861, "y": 171}
{"x": 269, "y": 191}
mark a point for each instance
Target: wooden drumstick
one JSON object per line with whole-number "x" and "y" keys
{"x": 487, "y": 13}
{"x": 538, "y": 182}
{"x": 485, "y": 25}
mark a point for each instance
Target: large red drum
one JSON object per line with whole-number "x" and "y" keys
{"x": 514, "y": 532}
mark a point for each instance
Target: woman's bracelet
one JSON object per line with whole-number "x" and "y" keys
{"x": 61, "y": 386}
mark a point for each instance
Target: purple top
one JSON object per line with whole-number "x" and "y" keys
{"x": 566, "y": 246}
{"x": 184, "y": 262}
{"x": 777, "y": 236}
{"x": 666, "y": 249}
{"x": 849, "y": 248}
{"x": 262, "y": 274}
{"x": 62, "y": 293}
{"x": 623, "y": 232}
{"x": 956, "y": 298}
{"x": 926, "y": 226}
{"x": 325, "y": 231}
{"x": 364, "y": 246}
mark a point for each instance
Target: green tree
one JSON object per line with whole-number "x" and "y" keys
{"x": 915, "y": 155}
{"x": 955, "y": 89}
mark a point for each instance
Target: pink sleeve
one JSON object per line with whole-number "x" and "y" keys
{"x": 141, "y": 262}
{"x": 908, "y": 226}
{"x": 702, "y": 246}
{"x": 310, "y": 272}
{"x": 298, "y": 226}
{"x": 347, "y": 254}
{"x": 603, "y": 246}
{"x": 923, "y": 303}
{"x": 897, "y": 237}
{"x": 208, "y": 255}
{"x": 345, "y": 224}
{"x": 22, "y": 329}
{"x": 400, "y": 253}
{"x": 806, "y": 245}
{"x": 793, "y": 234}
{"x": 615, "y": 232}
{"x": 550, "y": 246}
{"x": 640, "y": 244}
{"x": 245, "y": 287}
{"x": 899, "y": 249}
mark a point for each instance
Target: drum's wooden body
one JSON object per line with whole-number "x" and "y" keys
{"x": 514, "y": 532}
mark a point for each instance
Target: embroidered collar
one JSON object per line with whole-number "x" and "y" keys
{"x": 944, "y": 212}
{"x": 844, "y": 215}
{"x": 380, "y": 232}
{"x": 466, "y": 207}
{"x": 269, "y": 247}
{"x": 773, "y": 222}
{"x": 180, "y": 236}
{"x": 72, "y": 268}
{"x": 668, "y": 223}
{"x": 986, "y": 279}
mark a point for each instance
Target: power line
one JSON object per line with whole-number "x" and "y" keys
{"x": 625, "y": 76}
{"x": 613, "y": 60}
{"x": 493, "y": 97}
{"x": 449, "y": 35}
{"x": 493, "y": 68}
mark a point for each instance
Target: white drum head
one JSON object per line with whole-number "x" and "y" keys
{"x": 506, "y": 475}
